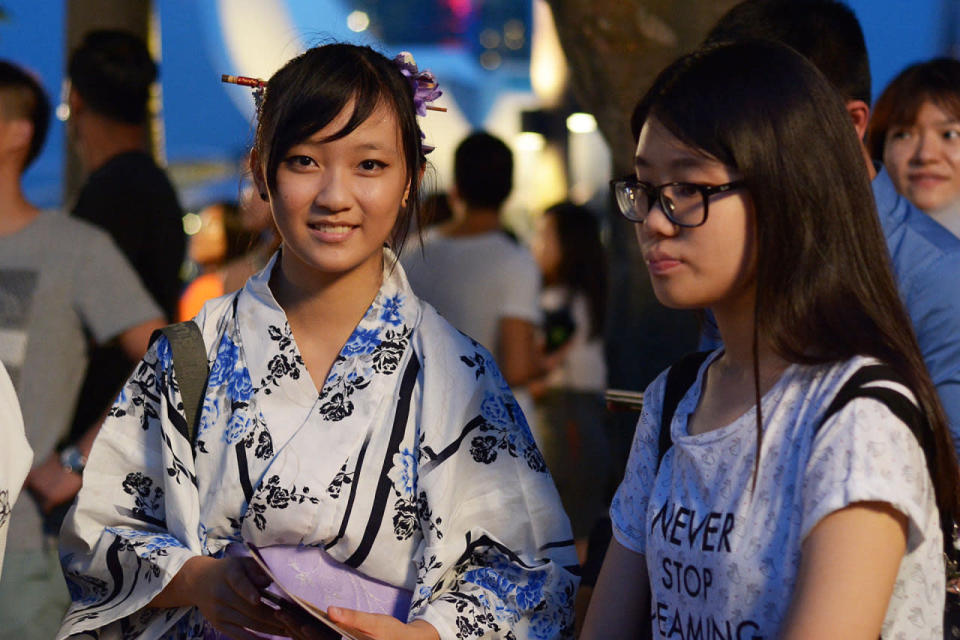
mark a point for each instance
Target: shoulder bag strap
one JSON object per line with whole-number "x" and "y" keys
{"x": 190, "y": 362}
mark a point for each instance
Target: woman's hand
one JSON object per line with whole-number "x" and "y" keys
{"x": 372, "y": 625}
{"x": 227, "y": 593}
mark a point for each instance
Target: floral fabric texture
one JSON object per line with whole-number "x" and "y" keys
{"x": 412, "y": 464}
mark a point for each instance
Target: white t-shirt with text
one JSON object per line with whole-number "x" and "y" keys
{"x": 722, "y": 560}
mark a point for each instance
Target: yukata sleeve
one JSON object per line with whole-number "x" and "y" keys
{"x": 136, "y": 520}
{"x": 497, "y": 557}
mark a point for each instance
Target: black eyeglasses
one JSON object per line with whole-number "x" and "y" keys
{"x": 684, "y": 203}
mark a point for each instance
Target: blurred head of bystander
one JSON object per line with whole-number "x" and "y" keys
{"x": 915, "y": 133}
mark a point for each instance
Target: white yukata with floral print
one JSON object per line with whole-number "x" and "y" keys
{"x": 413, "y": 465}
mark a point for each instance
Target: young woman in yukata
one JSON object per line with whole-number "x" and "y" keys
{"x": 761, "y": 521}
{"x": 340, "y": 412}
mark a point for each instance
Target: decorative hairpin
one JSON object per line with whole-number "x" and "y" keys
{"x": 424, "y": 83}
{"x": 256, "y": 84}
{"x": 425, "y": 89}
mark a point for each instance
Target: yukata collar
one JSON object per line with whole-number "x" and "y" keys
{"x": 265, "y": 333}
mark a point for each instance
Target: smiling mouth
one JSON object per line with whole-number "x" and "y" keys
{"x": 334, "y": 229}
{"x": 925, "y": 178}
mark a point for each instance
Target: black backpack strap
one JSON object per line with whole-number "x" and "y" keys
{"x": 899, "y": 404}
{"x": 680, "y": 378}
{"x": 190, "y": 362}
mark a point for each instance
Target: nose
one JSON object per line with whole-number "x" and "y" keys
{"x": 656, "y": 222}
{"x": 926, "y": 148}
{"x": 333, "y": 193}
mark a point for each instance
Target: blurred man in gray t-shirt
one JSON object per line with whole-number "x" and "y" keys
{"x": 62, "y": 282}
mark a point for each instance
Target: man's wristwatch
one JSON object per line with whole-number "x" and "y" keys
{"x": 72, "y": 460}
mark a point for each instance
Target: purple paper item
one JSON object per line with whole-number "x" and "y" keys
{"x": 312, "y": 574}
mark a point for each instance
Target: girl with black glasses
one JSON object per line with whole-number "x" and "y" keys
{"x": 792, "y": 483}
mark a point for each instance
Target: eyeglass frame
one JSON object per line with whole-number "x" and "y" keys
{"x": 705, "y": 190}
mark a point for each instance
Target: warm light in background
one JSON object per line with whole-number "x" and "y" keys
{"x": 529, "y": 141}
{"x": 489, "y": 38}
{"x": 513, "y": 36}
{"x": 581, "y": 123}
{"x": 191, "y": 223}
{"x": 358, "y": 21}
{"x": 548, "y": 67}
{"x": 490, "y": 60}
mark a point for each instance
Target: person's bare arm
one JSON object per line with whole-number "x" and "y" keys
{"x": 620, "y": 604}
{"x": 848, "y": 567}
{"x": 135, "y": 340}
{"x": 517, "y": 353}
{"x": 49, "y": 481}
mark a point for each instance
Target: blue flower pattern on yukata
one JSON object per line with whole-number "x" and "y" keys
{"x": 390, "y": 312}
{"x": 230, "y": 381}
{"x": 517, "y": 594}
{"x": 403, "y": 474}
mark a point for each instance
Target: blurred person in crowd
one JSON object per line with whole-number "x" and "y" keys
{"x": 792, "y": 483}
{"x": 61, "y": 280}
{"x": 344, "y": 424}
{"x": 476, "y": 274}
{"x": 125, "y": 192}
{"x": 570, "y": 406}
{"x": 915, "y": 133}
{"x": 225, "y": 250}
{"x": 926, "y": 261}
{"x": 15, "y": 455}
{"x": 437, "y": 210}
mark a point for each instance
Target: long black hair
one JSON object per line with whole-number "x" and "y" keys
{"x": 583, "y": 261}
{"x": 308, "y": 92}
{"x": 825, "y": 290}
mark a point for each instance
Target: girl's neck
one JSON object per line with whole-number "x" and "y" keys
{"x": 736, "y": 324}
{"x": 328, "y": 304}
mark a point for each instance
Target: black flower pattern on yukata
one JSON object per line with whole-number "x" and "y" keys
{"x": 4, "y": 507}
{"x": 405, "y": 522}
{"x": 504, "y": 430}
{"x": 287, "y": 362}
{"x": 367, "y": 353}
{"x": 147, "y": 498}
{"x": 477, "y": 362}
{"x": 486, "y": 448}
{"x": 260, "y": 440}
{"x": 274, "y": 496}
{"x": 339, "y": 481}
{"x": 141, "y": 395}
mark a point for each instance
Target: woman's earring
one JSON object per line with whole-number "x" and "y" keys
{"x": 263, "y": 196}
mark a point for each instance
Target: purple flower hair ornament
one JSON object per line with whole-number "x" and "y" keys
{"x": 425, "y": 89}
{"x": 424, "y": 83}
